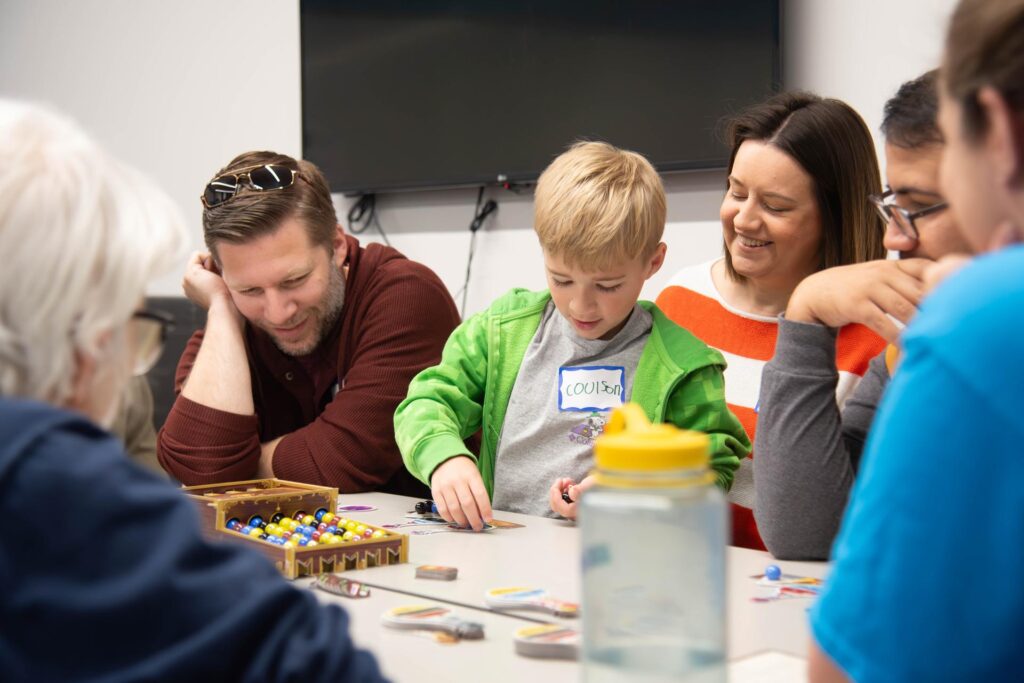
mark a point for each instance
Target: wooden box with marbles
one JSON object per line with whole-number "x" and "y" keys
{"x": 295, "y": 525}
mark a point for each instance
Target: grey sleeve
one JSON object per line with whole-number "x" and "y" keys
{"x": 806, "y": 453}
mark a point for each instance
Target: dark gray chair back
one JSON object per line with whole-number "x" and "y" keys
{"x": 187, "y": 319}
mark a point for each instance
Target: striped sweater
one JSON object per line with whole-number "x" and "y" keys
{"x": 748, "y": 342}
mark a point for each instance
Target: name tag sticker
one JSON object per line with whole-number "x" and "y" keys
{"x": 598, "y": 387}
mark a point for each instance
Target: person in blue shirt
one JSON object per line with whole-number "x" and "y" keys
{"x": 927, "y": 578}
{"x": 105, "y": 574}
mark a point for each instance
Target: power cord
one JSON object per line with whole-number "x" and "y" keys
{"x": 365, "y": 210}
{"x": 479, "y": 215}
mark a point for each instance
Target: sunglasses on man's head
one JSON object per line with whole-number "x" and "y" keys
{"x": 259, "y": 178}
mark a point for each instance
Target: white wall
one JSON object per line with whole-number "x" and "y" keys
{"x": 178, "y": 88}
{"x": 861, "y": 51}
{"x": 175, "y": 88}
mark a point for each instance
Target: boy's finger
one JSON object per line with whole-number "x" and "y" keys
{"x": 567, "y": 510}
{"x": 444, "y": 507}
{"x": 483, "y": 501}
{"x": 469, "y": 507}
{"x": 456, "y": 511}
{"x": 554, "y": 498}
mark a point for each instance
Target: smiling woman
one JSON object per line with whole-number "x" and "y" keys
{"x": 800, "y": 173}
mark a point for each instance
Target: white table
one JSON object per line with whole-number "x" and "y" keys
{"x": 544, "y": 553}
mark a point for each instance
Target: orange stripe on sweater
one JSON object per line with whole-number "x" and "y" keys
{"x": 716, "y": 326}
{"x": 855, "y": 348}
{"x": 747, "y": 418}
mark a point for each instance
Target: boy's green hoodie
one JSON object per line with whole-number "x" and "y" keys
{"x": 678, "y": 380}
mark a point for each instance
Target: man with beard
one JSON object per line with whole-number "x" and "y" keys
{"x": 310, "y": 339}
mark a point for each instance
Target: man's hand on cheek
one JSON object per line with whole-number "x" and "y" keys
{"x": 203, "y": 283}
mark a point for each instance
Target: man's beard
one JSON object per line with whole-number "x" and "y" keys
{"x": 322, "y": 317}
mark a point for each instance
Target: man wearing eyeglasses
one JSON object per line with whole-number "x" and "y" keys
{"x": 808, "y": 447}
{"x": 310, "y": 340}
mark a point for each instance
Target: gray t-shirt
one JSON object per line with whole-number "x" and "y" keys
{"x": 560, "y": 402}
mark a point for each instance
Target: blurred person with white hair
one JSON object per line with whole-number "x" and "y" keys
{"x": 106, "y": 573}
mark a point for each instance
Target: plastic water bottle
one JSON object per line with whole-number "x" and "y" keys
{"x": 653, "y": 536}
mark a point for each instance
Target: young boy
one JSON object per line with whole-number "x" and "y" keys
{"x": 539, "y": 371}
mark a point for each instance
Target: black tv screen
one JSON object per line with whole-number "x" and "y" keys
{"x": 404, "y": 95}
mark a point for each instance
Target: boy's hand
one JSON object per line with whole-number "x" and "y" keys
{"x": 573, "y": 490}
{"x": 866, "y": 293}
{"x": 459, "y": 492}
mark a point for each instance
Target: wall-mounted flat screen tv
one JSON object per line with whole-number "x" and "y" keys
{"x": 406, "y": 95}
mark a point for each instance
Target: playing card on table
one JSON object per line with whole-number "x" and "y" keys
{"x": 436, "y": 571}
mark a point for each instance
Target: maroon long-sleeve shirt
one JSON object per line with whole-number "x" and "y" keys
{"x": 334, "y": 407}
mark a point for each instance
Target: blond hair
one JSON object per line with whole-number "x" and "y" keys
{"x": 597, "y": 205}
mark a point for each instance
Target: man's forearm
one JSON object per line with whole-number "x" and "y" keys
{"x": 220, "y": 375}
{"x": 265, "y": 469}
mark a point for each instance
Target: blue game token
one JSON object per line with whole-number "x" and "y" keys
{"x": 772, "y": 572}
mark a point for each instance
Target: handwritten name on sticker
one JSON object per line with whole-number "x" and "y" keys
{"x": 591, "y": 388}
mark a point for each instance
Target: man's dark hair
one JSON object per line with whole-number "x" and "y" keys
{"x": 911, "y": 116}
{"x": 251, "y": 214}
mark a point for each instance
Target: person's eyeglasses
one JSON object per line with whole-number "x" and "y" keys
{"x": 260, "y": 178}
{"x": 147, "y": 333}
{"x": 904, "y": 219}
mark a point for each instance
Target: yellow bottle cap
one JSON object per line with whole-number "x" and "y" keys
{"x": 630, "y": 443}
